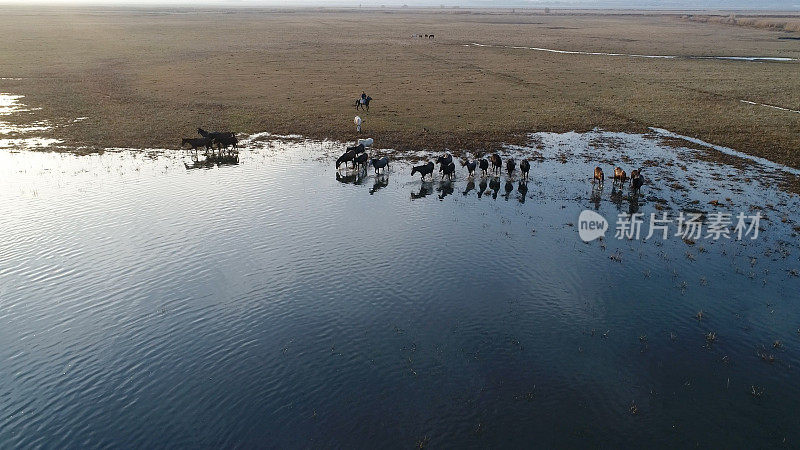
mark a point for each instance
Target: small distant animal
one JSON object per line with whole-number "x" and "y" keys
{"x": 347, "y": 156}
{"x": 445, "y": 159}
{"x": 510, "y": 166}
{"x": 379, "y": 163}
{"x": 196, "y": 143}
{"x": 364, "y": 105}
{"x": 356, "y": 149}
{"x": 484, "y": 165}
{"x": 361, "y": 160}
{"x": 497, "y": 163}
{"x": 430, "y": 36}
{"x": 635, "y": 173}
{"x": 424, "y": 169}
{"x": 366, "y": 142}
{"x": 470, "y": 165}
{"x": 598, "y": 175}
{"x": 619, "y": 175}
{"x": 524, "y": 167}
{"x": 448, "y": 170}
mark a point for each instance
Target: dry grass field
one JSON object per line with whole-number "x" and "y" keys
{"x": 776, "y": 22}
{"x": 147, "y": 78}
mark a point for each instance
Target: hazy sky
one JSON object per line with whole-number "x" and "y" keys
{"x": 645, "y": 4}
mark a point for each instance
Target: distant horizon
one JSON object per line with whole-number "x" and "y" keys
{"x": 597, "y": 5}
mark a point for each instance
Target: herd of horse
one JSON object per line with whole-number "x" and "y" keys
{"x": 447, "y": 167}
{"x": 224, "y": 140}
{"x": 358, "y": 157}
{"x": 636, "y": 178}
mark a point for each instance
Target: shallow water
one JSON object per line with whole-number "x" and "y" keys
{"x": 634, "y": 55}
{"x": 779, "y": 108}
{"x": 14, "y": 136}
{"x": 277, "y": 302}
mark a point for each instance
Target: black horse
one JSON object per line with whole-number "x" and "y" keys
{"x": 525, "y": 168}
{"x": 510, "y": 166}
{"x": 424, "y": 170}
{"x": 484, "y": 164}
{"x": 348, "y": 156}
{"x": 356, "y": 149}
{"x": 448, "y": 170}
{"x": 379, "y": 164}
{"x": 226, "y": 140}
{"x": 470, "y": 165}
{"x": 214, "y": 134}
{"x": 198, "y": 142}
{"x": 223, "y": 139}
{"x": 361, "y": 160}
{"x": 365, "y": 105}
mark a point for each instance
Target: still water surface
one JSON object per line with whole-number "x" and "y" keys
{"x": 273, "y": 303}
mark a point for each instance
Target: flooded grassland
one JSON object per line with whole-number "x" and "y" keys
{"x": 152, "y": 299}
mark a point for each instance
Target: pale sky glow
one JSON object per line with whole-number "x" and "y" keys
{"x": 785, "y": 5}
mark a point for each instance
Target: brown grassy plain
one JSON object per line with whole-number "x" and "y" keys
{"x": 146, "y": 78}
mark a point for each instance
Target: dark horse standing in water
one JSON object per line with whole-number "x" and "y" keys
{"x": 223, "y": 139}
{"x": 363, "y": 103}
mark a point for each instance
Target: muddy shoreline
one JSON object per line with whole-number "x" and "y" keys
{"x": 146, "y": 81}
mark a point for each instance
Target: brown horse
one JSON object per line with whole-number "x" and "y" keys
{"x": 619, "y": 175}
{"x": 598, "y": 175}
{"x": 497, "y": 162}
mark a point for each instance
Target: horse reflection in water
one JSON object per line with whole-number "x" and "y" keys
{"x": 509, "y": 187}
{"x": 494, "y": 185}
{"x": 469, "y": 188}
{"x": 425, "y": 188}
{"x": 617, "y": 197}
{"x": 381, "y": 181}
{"x": 633, "y": 202}
{"x": 445, "y": 188}
{"x": 522, "y": 188}
{"x": 482, "y": 187}
{"x": 356, "y": 177}
{"x": 597, "y": 195}
{"x": 212, "y": 160}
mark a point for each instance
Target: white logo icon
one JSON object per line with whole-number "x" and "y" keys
{"x": 591, "y": 225}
